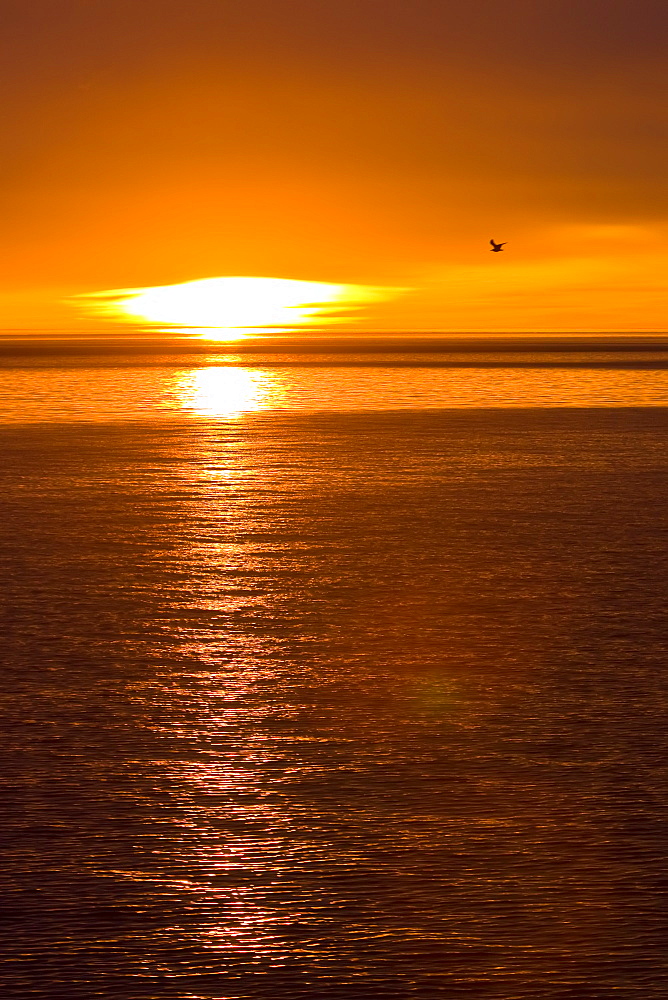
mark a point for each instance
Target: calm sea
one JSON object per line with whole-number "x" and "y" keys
{"x": 335, "y": 675}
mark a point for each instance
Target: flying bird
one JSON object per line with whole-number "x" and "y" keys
{"x": 496, "y": 246}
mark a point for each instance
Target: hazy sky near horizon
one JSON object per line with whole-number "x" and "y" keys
{"x": 374, "y": 142}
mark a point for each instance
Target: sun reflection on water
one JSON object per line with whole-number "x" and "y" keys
{"x": 220, "y": 392}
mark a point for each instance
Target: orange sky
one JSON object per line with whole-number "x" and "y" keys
{"x": 379, "y": 142}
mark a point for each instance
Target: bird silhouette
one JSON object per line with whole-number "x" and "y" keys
{"x": 496, "y": 246}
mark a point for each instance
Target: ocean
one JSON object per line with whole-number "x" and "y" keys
{"x": 335, "y": 673}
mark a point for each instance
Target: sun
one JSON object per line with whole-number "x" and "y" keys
{"x": 233, "y": 304}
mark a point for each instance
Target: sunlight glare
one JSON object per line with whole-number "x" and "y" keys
{"x": 234, "y": 303}
{"x": 220, "y": 392}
